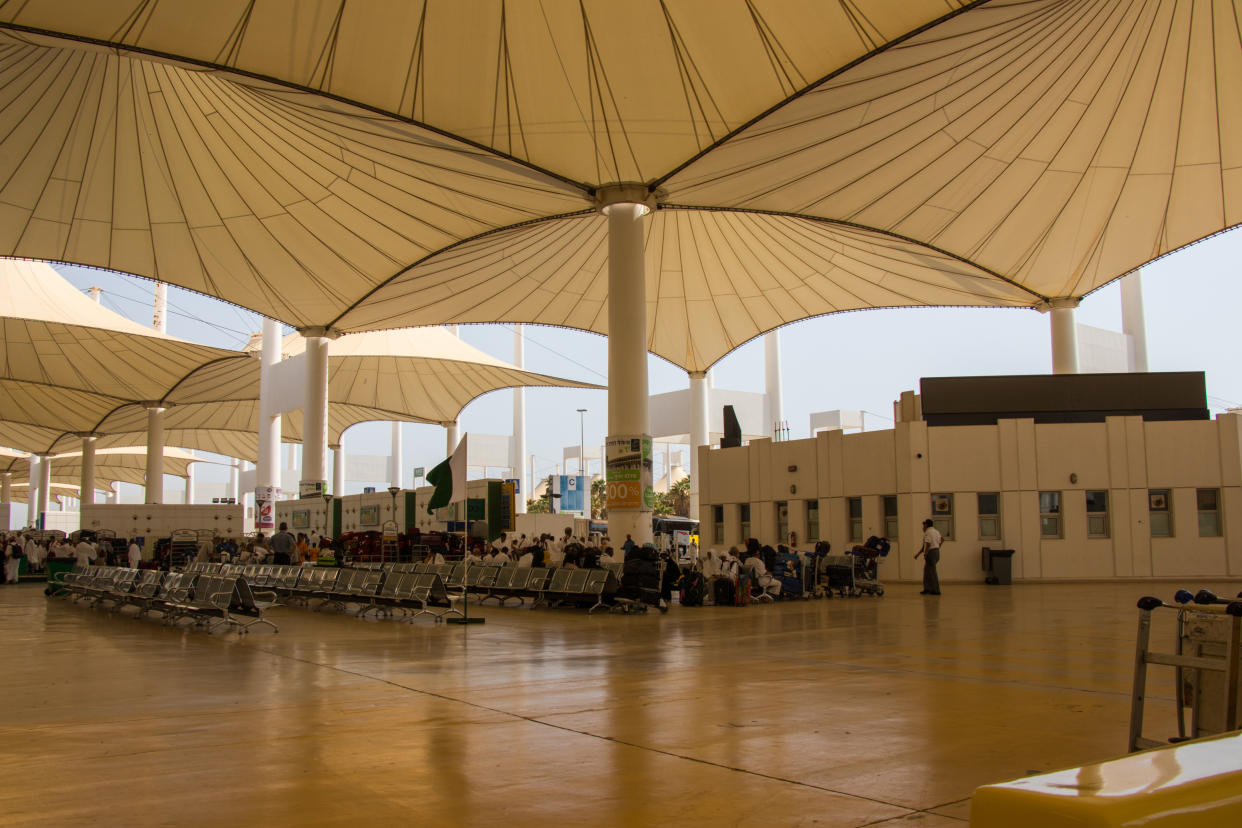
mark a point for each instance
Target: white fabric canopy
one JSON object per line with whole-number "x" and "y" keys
{"x": 126, "y": 464}
{"x": 21, "y": 491}
{"x": 397, "y": 162}
{"x": 92, "y": 371}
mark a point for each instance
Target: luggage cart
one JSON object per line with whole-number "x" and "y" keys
{"x": 1206, "y": 669}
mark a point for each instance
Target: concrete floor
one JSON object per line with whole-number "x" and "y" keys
{"x": 836, "y": 712}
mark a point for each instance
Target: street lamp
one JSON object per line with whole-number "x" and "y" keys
{"x": 581, "y": 442}
{"x": 327, "y": 514}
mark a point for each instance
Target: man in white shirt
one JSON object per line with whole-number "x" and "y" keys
{"x": 84, "y": 552}
{"x": 759, "y": 571}
{"x": 931, "y": 556}
{"x": 526, "y": 560}
{"x": 135, "y": 554}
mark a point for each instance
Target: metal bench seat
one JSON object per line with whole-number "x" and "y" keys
{"x": 221, "y": 600}
{"x": 354, "y": 586}
{"x": 250, "y": 603}
{"x": 145, "y": 588}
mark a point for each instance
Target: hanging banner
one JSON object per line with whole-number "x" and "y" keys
{"x": 312, "y": 488}
{"x": 573, "y": 493}
{"x": 628, "y": 475}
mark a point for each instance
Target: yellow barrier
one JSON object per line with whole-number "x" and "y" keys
{"x": 1195, "y": 784}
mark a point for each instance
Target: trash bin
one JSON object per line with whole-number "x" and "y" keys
{"x": 56, "y": 569}
{"x": 998, "y": 563}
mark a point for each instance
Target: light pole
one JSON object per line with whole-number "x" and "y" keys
{"x": 581, "y": 442}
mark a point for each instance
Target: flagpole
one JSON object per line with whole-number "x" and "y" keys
{"x": 465, "y": 618}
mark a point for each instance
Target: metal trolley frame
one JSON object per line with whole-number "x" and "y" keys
{"x": 1207, "y": 644}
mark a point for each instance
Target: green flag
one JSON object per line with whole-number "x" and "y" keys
{"x": 449, "y": 478}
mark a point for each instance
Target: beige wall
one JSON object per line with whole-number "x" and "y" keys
{"x": 1017, "y": 459}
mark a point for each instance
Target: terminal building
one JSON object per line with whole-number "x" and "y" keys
{"x": 1115, "y": 476}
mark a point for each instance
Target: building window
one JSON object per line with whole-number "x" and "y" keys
{"x": 1097, "y": 514}
{"x": 1050, "y": 514}
{"x": 745, "y": 510}
{"x": 782, "y": 521}
{"x": 855, "y": 505}
{"x": 1209, "y": 512}
{"x": 717, "y": 524}
{"x": 812, "y": 520}
{"x": 890, "y": 517}
{"x": 942, "y": 514}
{"x": 989, "y": 516}
{"x": 1160, "y": 513}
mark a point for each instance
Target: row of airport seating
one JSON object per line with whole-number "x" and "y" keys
{"x": 211, "y": 600}
{"x": 419, "y": 585}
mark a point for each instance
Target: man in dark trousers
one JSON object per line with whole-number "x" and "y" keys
{"x": 931, "y": 556}
{"x": 282, "y": 546}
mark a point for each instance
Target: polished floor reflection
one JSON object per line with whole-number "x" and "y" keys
{"x": 832, "y": 712}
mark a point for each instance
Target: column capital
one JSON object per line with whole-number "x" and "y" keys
{"x": 1059, "y": 303}
{"x": 334, "y": 446}
{"x": 156, "y": 405}
{"x": 629, "y": 192}
{"x": 448, "y": 423}
{"x": 86, "y": 435}
{"x": 322, "y": 331}
{"x": 697, "y": 375}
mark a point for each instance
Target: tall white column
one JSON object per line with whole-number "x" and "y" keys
{"x": 189, "y": 483}
{"x": 315, "y": 415}
{"x": 396, "y": 460}
{"x": 235, "y": 481}
{"x": 519, "y": 425}
{"x": 159, "y": 319}
{"x": 155, "y": 454}
{"x": 45, "y": 487}
{"x": 267, "y": 474}
{"x": 32, "y": 492}
{"x": 772, "y": 381}
{"x": 86, "y": 487}
{"x": 1133, "y": 322}
{"x": 96, "y": 294}
{"x": 698, "y": 434}
{"x": 338, "y": 468}
{"x": 628, "y": 415}
{"x": 451, "y": 437}
{"x": 1064, "y": 336}
{"x": 247, "y": 497}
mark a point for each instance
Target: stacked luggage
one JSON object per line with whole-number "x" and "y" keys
{"x": 641, "y": 579}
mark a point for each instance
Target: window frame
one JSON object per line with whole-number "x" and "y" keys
{"x": 855, "y": 522}
{"x": 744, "y": 520}
{"x": 892, "y": 522}
{"x": 943, "y": 520}
{"x": 1056, "y": 514}
{"x": 1167, "y": 511}
{"x": 718, "y": 524}
{"x": 812, "y": 520}
{"x": 782, "y": 524}
{"x": 1215, "y": 513}
{"x": 1108, "y": 524}
{"x": 993, "y": 516}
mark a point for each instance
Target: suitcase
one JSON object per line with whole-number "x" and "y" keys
{"x": 693, "y": 589}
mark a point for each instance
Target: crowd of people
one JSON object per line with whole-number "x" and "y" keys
{"x": 32, "y": 547}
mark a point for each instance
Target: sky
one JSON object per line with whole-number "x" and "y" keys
{"x": 857, "y": 361}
